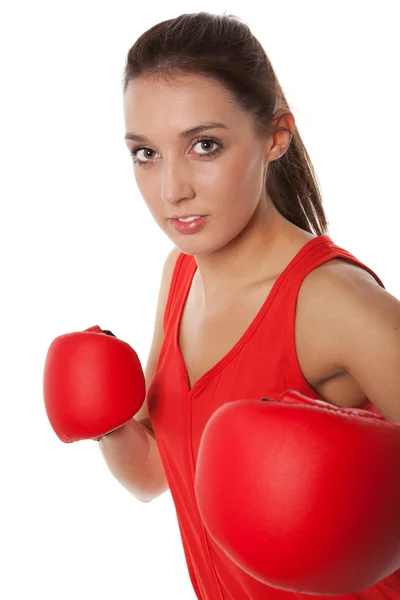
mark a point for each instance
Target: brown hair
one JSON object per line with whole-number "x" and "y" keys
{"x": 223, "y": 47}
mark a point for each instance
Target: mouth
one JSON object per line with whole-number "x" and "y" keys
{"x": 190, "y": 224}
{"x": 183, "y": 217}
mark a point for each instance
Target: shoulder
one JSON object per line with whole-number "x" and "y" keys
{"x": 341, "y": 307}
{"x": 165, "y": 284}
{"x": 339, "y": 283}
{"x": 171, "y": 260}
{"x": 175, "y": 259}
{"x": 353, "y": 325}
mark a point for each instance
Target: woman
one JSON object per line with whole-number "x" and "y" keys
{"x": 255, "y": 297}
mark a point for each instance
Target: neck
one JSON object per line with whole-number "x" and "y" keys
{"x": 261, "y": 251}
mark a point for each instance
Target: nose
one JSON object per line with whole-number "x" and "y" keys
{"x": 175, "y": 181}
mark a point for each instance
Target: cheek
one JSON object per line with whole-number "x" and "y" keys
{"x": 143, "y": 183}
{"x": 240, "y": 174}
{"x": 238, "y": 186}
{"x": 251, "y": 171}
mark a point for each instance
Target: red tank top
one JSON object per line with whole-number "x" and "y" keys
{"x": 262, "y": 363}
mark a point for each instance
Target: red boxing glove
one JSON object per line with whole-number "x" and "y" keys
{"x": 302, "y": 495}
{"x": 93, "y": 383}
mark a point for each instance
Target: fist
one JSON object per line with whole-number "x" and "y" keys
{"x": 302, "y": 495}
{"x": 93, "y": 383}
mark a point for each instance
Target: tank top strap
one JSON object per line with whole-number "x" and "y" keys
{"x": 314, "y": 254}
{"x": 185, "y": 268}
{"x": 320, "y": 251}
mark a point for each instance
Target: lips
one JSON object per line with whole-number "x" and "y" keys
{"x": 187, "y": 227}
{"x": 187, "y": 216}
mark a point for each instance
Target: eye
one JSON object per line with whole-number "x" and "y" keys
{"x": 134, "y": 152}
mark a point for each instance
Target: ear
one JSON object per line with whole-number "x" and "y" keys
{"x": 283, "y": 127}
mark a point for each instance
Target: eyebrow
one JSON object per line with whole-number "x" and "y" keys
{"x": 183, "y": 134}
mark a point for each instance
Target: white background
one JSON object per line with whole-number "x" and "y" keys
{"x": 79, "y": 247}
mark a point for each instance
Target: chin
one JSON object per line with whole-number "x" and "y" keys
{"x": 196, "y": 247}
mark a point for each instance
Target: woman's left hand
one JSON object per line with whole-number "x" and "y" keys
{"x": 302, "y": 495}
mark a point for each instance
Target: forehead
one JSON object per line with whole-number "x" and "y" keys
{"x": 194, "y": 96}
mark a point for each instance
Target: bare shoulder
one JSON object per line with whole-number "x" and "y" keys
{"x": 158, "y": 330}
{"x": 351, "y": 325}
{"x": 334, "y": 289}
{"x": 170, "y": 261}
{"x": 337, "y": 295}
{"x": 339, "y": 273}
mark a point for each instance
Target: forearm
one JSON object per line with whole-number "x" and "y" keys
{"x": 132, "y": 455}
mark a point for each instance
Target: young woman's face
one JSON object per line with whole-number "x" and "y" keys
{"x": 218, "y": 172}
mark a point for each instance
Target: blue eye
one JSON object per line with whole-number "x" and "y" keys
{"x": 139, "y": 163}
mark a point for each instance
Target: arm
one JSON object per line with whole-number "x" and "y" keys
{"x": 131, "y": 452}
{"x": 359, "y": 323}
{"x": 308, "y": 501}
{"x": 132, "y": 455}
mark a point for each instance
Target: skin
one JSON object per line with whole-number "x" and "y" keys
{"x": 245, "y": 236}
{"x": 246, "y": 239}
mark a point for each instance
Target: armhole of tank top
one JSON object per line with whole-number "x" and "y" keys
{"x": 370, "y": 271}
{"x": 172, "y": 287}
{"x": 291, "y": 329}
{"x": 348, "y": 257}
